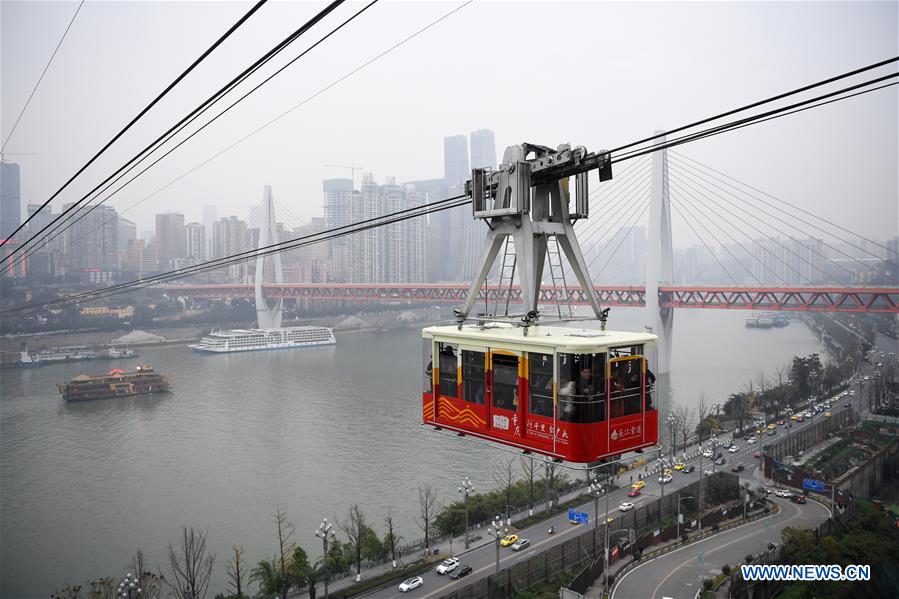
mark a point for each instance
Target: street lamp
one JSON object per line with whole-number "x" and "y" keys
{"x": 326, "y": 533}
{"x": 129, "y": 588}
{"x": 679, "y": 499}
{"x": 672, "y": 433}
{"x": 595, "y": 489}
{"x": 497, "y": 530}
{"x": 466, "y": 489}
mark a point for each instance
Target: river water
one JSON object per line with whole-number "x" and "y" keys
{"x": 82, "y": 486}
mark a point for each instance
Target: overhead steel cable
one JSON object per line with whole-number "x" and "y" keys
{"x": 756, "y": 242}
{"x": 761, "y": 102}
{"x": 146, "y": 109}
{"x": 765, "y": 193}
{"x": 191, "y": 120}
{"x": 702, "y": 182}
{"x": 621, "y": 241}
{"x": 217, "y": 263}
{"x": 294, "y": 107}
{"x": 708, "y": 249}
{"x": 41, "y": 78}
{"x": 674, "y": 200}
{"x": 751, "y": 120}
{"x": 624, "y": 217}
{"x": 609, "y": 204}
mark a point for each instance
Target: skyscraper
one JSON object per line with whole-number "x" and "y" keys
{"x": 127, "y": 233}
{"x": 483, "y": 149}
{"x": 170, "y": 243}
{"x": 10, "y": 198}
{"x": 195, "y": 241}
{"x": 337, "y": 206}
{"x": 92, "y": 243}
{"x": 455, "y": 160}
{"x": 210, "y": 215}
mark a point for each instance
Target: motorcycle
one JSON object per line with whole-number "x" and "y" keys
{"x": 552, "y": 529}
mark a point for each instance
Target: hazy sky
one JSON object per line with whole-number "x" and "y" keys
{"x": 597, "y": 74}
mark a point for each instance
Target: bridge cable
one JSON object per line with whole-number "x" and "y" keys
{"x": 41, "y": 78}
{"x": 193, "y": 116}
{"x": 621, "y": 241}
{"x": 618, "y": 226}
{"x": 702, "y": 240}
{"x": 159, "y": 97}
{"x": 679, "y": 155}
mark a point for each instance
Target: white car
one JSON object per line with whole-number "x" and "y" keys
{"x": 411, "y": 583}
{"x": 707, "y": 453}
{"x": 520, "y": 544}
{"x": 625, "y": 506}
{"x": 448, "y": 565}
{"x": 752, "y": 440}
{"x": 733, "y": 449}
{"x": 782, "y": 493}
{"x": 665, "y": 478}
{"x": 708, "y": 472}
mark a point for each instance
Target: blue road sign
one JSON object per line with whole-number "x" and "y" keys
{"x": 813, "y": 485}
{"x": 578, "y": 517}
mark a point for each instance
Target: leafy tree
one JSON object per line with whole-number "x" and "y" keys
{"x": 268, "y": 576}
{"x": 298, "y": 569}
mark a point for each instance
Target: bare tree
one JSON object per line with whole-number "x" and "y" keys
{"x": 504, "y": 476}
{"x": 285, "y": 548}
{"x": 685, "y": 417}
{"x": 529, "y": 468}
{"x": 703, "y": 411}
{"x": 391, "y": 540}
{"x": 150, "y": 582}
{"x": 356, "y": 528}
{"x": 237, "y": 572}
{"x": 427, "y": 511}
{"x": 552, "y": 497}
{"x": 191, "y": 565}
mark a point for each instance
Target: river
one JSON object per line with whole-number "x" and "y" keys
{"x": 82, "y": 486}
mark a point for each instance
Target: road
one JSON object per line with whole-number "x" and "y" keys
{"x": 679, "y": 574}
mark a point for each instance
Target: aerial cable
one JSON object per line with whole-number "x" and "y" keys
{"x": 609, "y": 205}
{"x": 702, "y": 182}
{"x": 679, "y": 155}
{"x": 760, "y": 103}
{"x": 362, "y": 225}
{"x": 621, "y": 241}
{"x": 159, "y": 97}
{"x": 702, "y": 240}
{"x": 41, "y": 78}
{"x": 751, "y": 120}
{"x": 295, "y": 107}
{"x": 761, "y": 246}
{"x": 718, "y": 241}
{"x": 197, "y": 112}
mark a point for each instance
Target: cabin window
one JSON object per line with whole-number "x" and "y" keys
{"x": 449, "y": 376}
{"x": 540, "y": 384}
{"x": 626, "y": 386}
{"x": 582, "y": 392}
{"x": 427, "y": 365}
{"x": 473, "y": 369}
{"x": 505, "y": 381}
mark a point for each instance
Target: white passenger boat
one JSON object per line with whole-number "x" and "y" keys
{"x": 237, "y": 340}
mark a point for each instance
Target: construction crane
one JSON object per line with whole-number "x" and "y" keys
{"x": 352, "y": 168}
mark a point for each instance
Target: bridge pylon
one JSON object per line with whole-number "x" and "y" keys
{"x": 268, "y": 311}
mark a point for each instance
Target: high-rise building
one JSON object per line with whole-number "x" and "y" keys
{"x": 127, "y": 233}
{"x": 455, "y": 160}
{"x": 92, "y": 243}
{"x": 230, "y": 237}
{"x": 338, "y": 210}
{"x": 483, "y": 150}
{"x": 10, "y": 198}
{"x": 195, "y": 241}
{"x": 170, "y": 243}
{"x": 210, "y": 215}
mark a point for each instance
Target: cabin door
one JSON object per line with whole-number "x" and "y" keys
{"x": 504, "y": 404}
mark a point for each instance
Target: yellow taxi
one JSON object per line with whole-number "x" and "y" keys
{"x": 609, "y": 520}
{"x": 772, "y": 426}
{"x": 827, "y": 414}
{"x": 666, "y": 472}
{"x": 680, "y": 466}
{"x": 638, "y": 485}
{"x": 794, "y": 417}
{"x": 508, "y": 540}
{"x": 759, "y": 431}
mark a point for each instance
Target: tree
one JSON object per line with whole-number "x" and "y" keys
{"x": 427, "y": 511}
{"x": 312, "y": 575}
{"x": 390, "y": 539}
{"x": 268, "y": 576}
{"x": 191, "y": 565}
{"x": 737, "y": 409}
{"x": 67, "y": 592}
{"x": 529, "y": 468}
{"x": 356, "y": 530}
{"x": 685, "y": 417}
{"x": 150, "y": 582}
{"x": 298, "y": 569}
{"x": 102, "y": 588}
{"x": 237, "y": 575}
{"x": 504, "y": 476}
{"x": 285, "y": 547}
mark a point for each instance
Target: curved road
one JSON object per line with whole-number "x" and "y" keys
{"x": 679, "y": 574}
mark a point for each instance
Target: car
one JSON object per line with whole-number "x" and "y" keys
{"x": 609, "y": 520}
{"x": 667, "y": 472}
{"x": 689, "y": 469}
{"x": 867, "y": 378}
{"x": 447, "y": 565}
{"x": 759, "y": 431}
{"x": 794, "y": 417}
{"x": 720, "y": 461}
{"x": 707, "y": 453}
{"x": 738, "y": 468}
{"x": 800, "y": 418}
{"x": 788, "y": 425}
{"x": 783, "y": 493}
{"x": 757, "y": 454}
{"x": 719, "y": 455}
{"x": 752, "y": 440}
{"x": 508, "y": 540}
{"x": 798, "y": 499}
{"x": 851, "y": 393}
{"x": 633, "y": 493}
{"x": 827, "y": 414}
{"x": 772, "y": 426}
{"x": 625, "y": 506}
{"x": 680, "y": 466}
{"x": 708, "y": 472}
{"x": 665, "y": 478}
{"x": 411, "y": 583}
{"x": 747, "y": 436}
{"x": 520, "y": 544}
{"x": 463, "y": 570}
{"x": 733, "y": 449}
{"x": 638, "y": 485}
{"x": 780, "y": 422}
{"x": 771, "y": 433}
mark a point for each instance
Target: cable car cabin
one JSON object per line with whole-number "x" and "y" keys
{"x": 579, "y": 395}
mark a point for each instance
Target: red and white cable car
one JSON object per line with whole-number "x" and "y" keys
{"x": 573, "y": 394}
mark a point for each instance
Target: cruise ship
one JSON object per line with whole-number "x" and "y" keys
{"x": 258, "y": 339}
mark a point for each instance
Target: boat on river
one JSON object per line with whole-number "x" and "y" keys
{"x": 116, "y": 383}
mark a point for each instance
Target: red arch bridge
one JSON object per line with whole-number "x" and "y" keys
{"x": 799, "y": 299}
